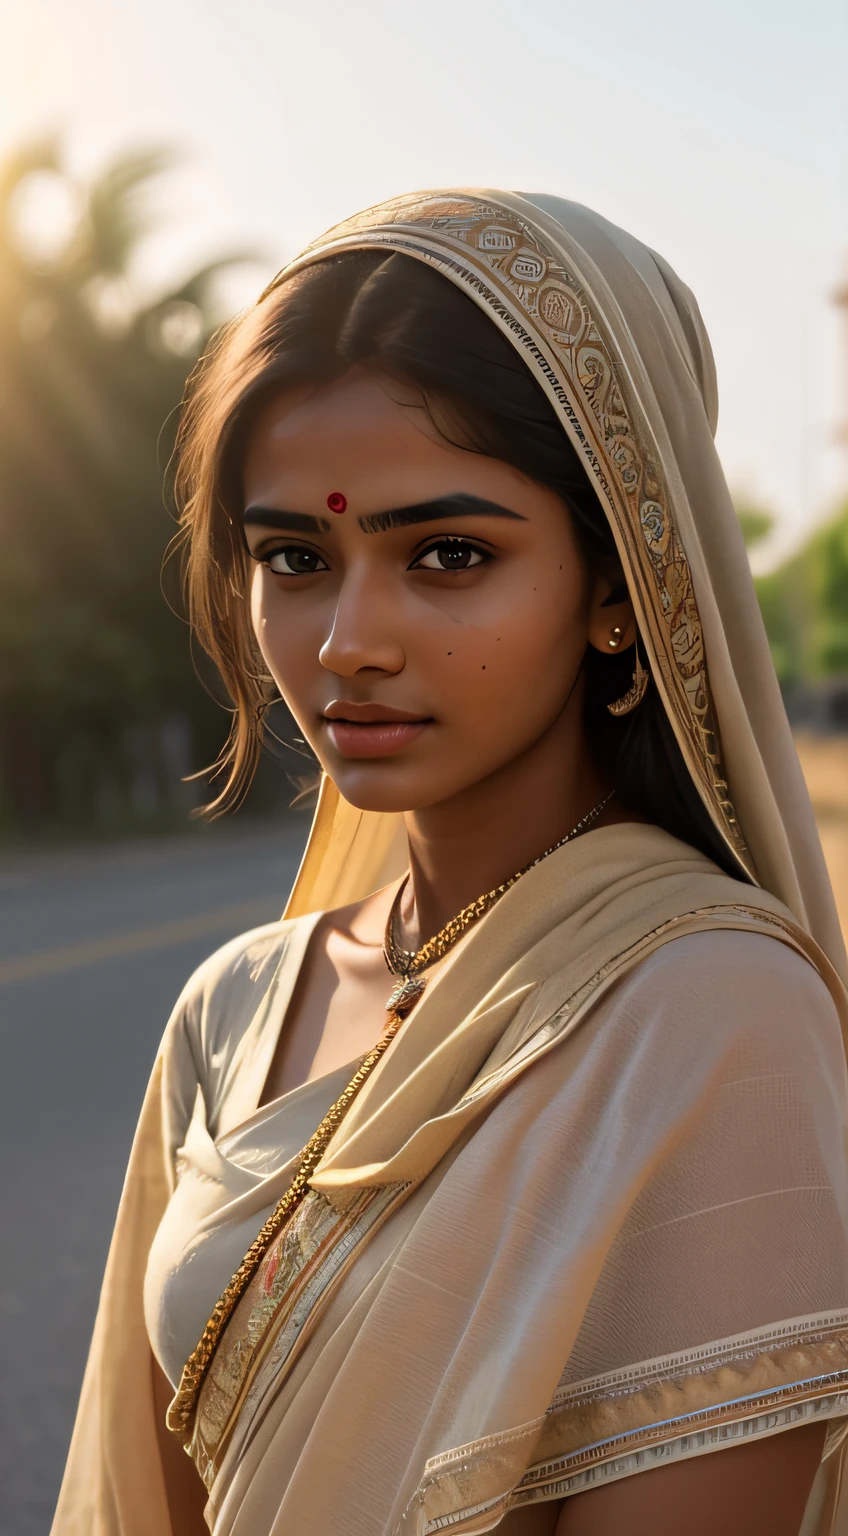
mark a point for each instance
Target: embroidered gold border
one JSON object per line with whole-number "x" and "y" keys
{"x": 180, "y": 1415}
{"x": 261, "y": 1310}
{"x": 627, "y": 1421}
{"x": 587, "y": 1418}
{"x": 546, "y": 310}
{"x": 278, "y": 1310}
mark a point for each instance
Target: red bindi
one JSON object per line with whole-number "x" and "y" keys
{"x": 336, "y": 501}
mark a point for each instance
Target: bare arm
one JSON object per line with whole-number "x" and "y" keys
{"x": 747, "y": 1489}
{"x": 185, "y": 1492}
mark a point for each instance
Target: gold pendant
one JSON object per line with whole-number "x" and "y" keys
{"x": 406, "y": 995}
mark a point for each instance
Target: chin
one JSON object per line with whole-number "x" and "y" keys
{"x": 375, "y": 791}
{"x": 388, "y": 787}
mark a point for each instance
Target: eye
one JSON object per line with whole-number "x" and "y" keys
{"x": 450, "y": 555}
{"x": 293, "y": 560}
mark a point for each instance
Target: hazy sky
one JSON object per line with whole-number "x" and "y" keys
{"x": 717, "y": 133}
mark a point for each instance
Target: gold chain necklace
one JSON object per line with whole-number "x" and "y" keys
{"x": 180, "y": 1415}
{"x": 408, "y": 964}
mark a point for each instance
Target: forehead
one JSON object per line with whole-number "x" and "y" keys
{"x": 368, "y": 438}
{"x": 293, "y": 423}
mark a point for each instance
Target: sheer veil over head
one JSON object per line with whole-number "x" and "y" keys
{"x": 616, "y": 341}
{"x": 589, "y": 1210}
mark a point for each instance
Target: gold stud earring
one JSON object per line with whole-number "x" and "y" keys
{"x": 615, "y": 638}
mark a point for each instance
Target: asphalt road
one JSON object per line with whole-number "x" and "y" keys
{"x": 95, "y": 946}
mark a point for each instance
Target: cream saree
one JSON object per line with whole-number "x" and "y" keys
{"x": 590, "y": 1210}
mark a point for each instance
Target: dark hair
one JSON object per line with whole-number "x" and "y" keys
{"x": 392, "y": 314}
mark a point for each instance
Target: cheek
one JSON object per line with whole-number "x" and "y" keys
{"x": 260, "y": 617}
{"x": 518, "y": 661}
{"x": 277, "y": 630}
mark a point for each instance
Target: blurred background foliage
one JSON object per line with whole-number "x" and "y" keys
{"x": 101, "y": 709}
{"x": 804, "y": 603}
{"x": 102, "y": 712}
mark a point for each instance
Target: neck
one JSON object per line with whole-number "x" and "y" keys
{"x": 465, "y": 846}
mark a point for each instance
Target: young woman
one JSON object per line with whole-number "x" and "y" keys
{"x": 553, "y": 1238}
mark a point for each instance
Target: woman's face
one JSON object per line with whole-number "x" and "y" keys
{"x": 433, "y": 630}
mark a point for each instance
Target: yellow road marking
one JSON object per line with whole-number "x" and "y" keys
{"x": 71, "y": 957}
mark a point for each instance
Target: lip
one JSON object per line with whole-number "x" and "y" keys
{"x": 371, "y": 713}
{"x": 371, "y": 730}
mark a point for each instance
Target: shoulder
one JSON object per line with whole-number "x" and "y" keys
{"x": 732, "y": 963}
{"x": 704, "y": 995}
{"x": 221, "y": 997}
{"x": 242, "y": 963}
{"x": 728, "y": 956}
{"x": 716, "y": 1062}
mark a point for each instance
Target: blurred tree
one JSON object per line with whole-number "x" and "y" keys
{"x": 825, "y": 573}
{"x": 756, "y": 524}
{"x": 804, "y": 603}
{"x": 88, "y": 376}
{"x": 782, "y": 599}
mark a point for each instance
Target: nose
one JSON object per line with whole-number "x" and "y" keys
{"x": 365, "y": 634}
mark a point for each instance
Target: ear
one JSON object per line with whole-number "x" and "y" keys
{"x": 611, "y": 615}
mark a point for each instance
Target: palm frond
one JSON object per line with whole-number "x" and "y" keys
{"x": 42, "y": 154}
{"x": 119, "y": 210}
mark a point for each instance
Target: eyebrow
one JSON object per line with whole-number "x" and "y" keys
{"x": 291, "y": 522}
{"x": 458, "y": 504}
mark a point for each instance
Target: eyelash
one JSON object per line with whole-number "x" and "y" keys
{"x": 457, "y": 545}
